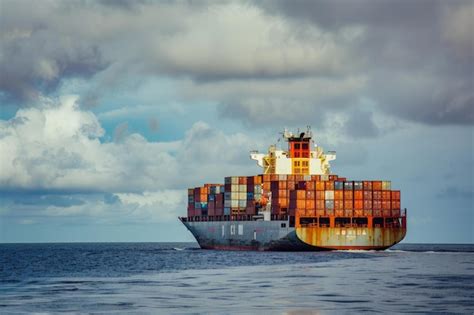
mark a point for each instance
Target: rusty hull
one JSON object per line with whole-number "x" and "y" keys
{"x": 350, "y": 237}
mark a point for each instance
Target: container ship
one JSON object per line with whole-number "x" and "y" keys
{"x": 296, "y": 204}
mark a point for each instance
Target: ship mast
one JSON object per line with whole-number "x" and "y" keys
{"x": 303, "y": 157}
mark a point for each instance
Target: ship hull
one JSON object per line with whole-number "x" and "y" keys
{"x": 278, "y": 236}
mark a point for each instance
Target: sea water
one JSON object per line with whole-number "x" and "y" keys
{"x": 181, "y": 278}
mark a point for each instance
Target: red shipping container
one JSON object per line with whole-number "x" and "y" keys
{"x": 348, "y": 195}
{"x": 274, "y": 177}
{"x": 386, "y": 205}
{"x": 367, "y": 195}
{"x": 386, "y": 195}
{"x": 377, "y": 204}
{"x": 395, "y": 194}
{"x": 387, "y": 212}
{"x": 348, "y": 204}
{"x": 377, "y": 195}
{"x": 358, "y": 204}
{"x": 368, "y": 204}
{"x": 310, "y": 194}
{"x": 377, "y": 213}
{"x": 338, "y": 194}
{"x": 358, "y": 213}
{"x": 332, "y": 177}
{"x": 396, "y": 213}
{"x": 358, "y": 195}
{"x": 348, "y": 213}
{"x": 310, "y": 186}
{"x": 266, "y": 178}
{"x": 367, "y": 185}
{"x": 339, "y": 213}
{"x": 395, "y": 205}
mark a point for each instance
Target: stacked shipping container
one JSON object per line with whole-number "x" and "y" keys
{"x": 301, "y": 195}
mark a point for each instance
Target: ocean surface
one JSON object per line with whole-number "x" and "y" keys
{"x": 179, "y": 278}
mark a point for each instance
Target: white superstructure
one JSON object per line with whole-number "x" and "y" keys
{"x": 303, "y": 157}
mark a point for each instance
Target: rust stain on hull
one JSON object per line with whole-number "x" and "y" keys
{"x": 351, "y": 238}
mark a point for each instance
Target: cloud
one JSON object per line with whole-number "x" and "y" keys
{"x": 57, "y": 146}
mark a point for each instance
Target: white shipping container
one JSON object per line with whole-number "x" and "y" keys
{"x": 235, "y": 180}
{"x": 234, "y": 203}
{"x": 282, "y": 177}
{"x": 234, "y": 187}
{"x": 324, "y": 177}
{"x": 329, "y": 194}
{"x": 243, "y": 188}
{"x": 235, "y": 195}
{"x": 308, "y": 177}
{"x": 242, "y": 203}
{"x": 242, "y": 196}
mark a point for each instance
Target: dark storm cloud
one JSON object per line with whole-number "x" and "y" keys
{"x": 418, "y": 54}
{"x": 35, "y": 56}
{"x": 413, "y": 59}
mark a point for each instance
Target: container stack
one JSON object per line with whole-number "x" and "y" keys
{"x": 300, "y": 195}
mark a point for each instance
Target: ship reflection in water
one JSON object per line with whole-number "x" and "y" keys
{"x": 156, "y": 277}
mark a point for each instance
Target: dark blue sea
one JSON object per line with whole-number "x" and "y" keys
{"x": 179, "y": 278}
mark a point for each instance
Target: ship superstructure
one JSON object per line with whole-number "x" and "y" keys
{"x": 295, "y": 204}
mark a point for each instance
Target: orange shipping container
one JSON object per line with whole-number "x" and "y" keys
{"x": 329, "y": 185}
{"x": 358, "y": 195}
{"x": 310, "y": 186}
{"x": 358, "y": 204}
{"x": 348, "y": 195}
{"x": 300, "y": 204}
{"x": 320, "y": 185}
{"x": 348, "y": 213}
{"x": 310, "y": 194}
{"x": 338, "y": 204}
{"x": 377, "y": 185}
{"x": 320, "y": 212}
{"x": 310, "y": 213}
{"x": 386, "y": 195}
{"x": 320, "y": 194}
{"x": 338, "y": 194}
{"x": 339, "y": 213}
{"x": 349, "y": 204}
{"x": 358, "y": 213}
{"x": 386, "y": 205}
{"x": 310, "y": 204}
{"x": 320, "y": 204}
{"x": 300, "y": 194}
{"x": 266, "y": 178}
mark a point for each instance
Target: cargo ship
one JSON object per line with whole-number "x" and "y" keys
{"x": 296, "y": 204}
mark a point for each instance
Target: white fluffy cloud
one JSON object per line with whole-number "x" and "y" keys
{"x": 57, "y": 146}
{"x": 56, "y": 149}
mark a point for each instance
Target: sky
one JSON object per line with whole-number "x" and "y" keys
{"x": 110, "y": 110}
